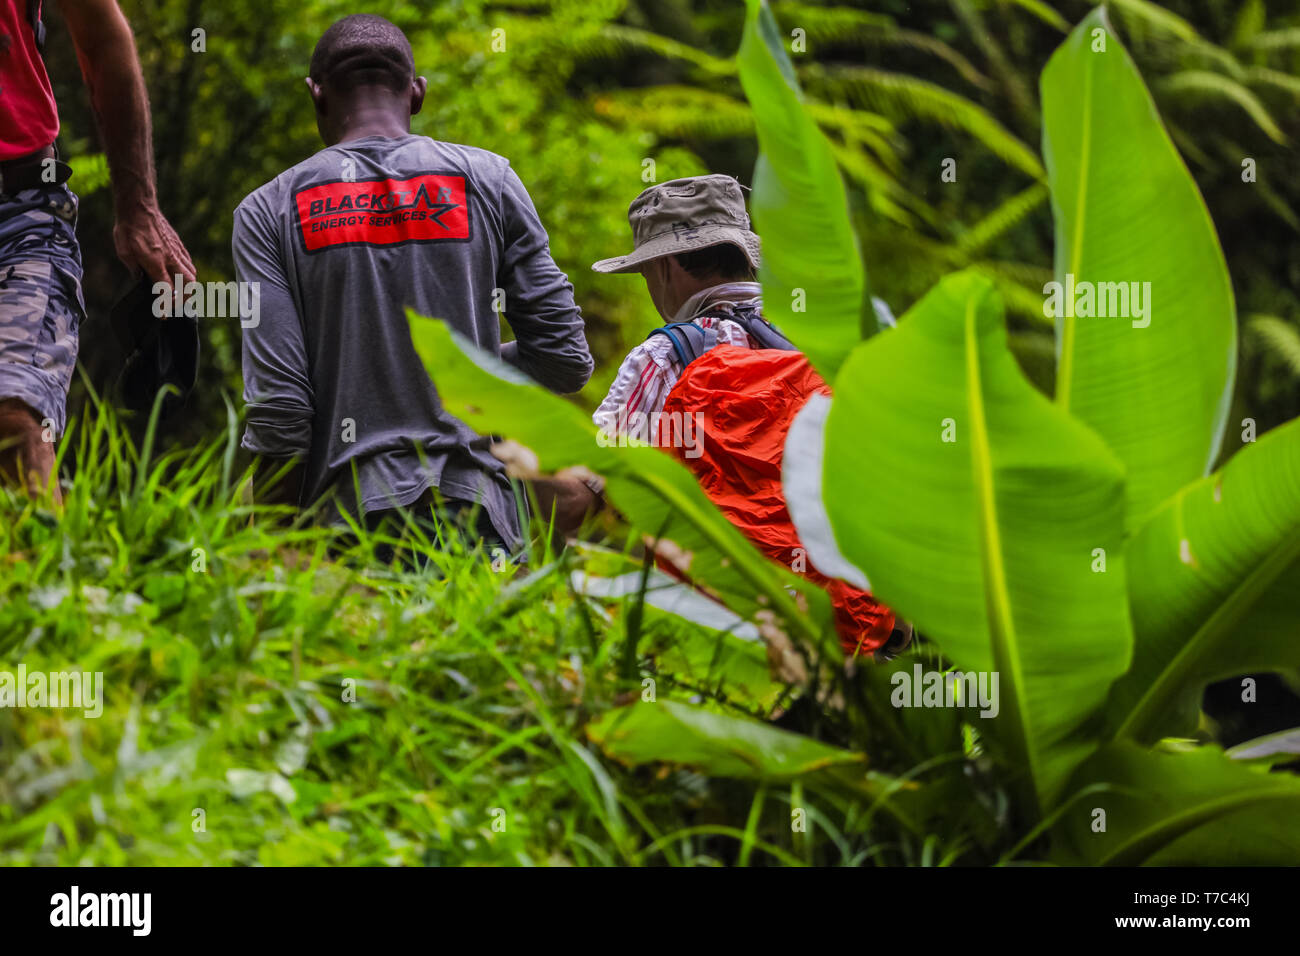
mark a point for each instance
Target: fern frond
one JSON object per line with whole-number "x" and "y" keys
{"x": 871, "y": 129}
{"x": 887, "y": 196}
{"x": 1023, "y": 300}
{"x": 1218, "y": 56}
{"x": 1035, "y": 351}
{"x": 902, "y": 96}
{"x": 882, "y": 191}
{"x": 1278, "y": 337}
{"x": 615, "y": 39}
{"x": 843, "y": 117}
{"x": 677, "y": 112}
{"x": 840, "y": 24}
{"x": 1262, "y": 75}
{"x": 1203, "y": 82}
{"x": 1277, "y": 203}
{"x": 1035, "y": 342}
{"x": 1164, "y": 52}
{"x": 843, "y": 26}
{"x": 1251, "y": 18}
{"x": 1155, "y": 16}
{"x": 1026, "y": 274}
{"x": 1283, "y": 39}
{"x": 1001, "y": 220}
{"x": 1045, "y": 13}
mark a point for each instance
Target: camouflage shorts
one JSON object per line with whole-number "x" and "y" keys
{"x": 41, "y": 307}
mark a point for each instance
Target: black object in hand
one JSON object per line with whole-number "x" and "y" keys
{"x": 160, "y": 351}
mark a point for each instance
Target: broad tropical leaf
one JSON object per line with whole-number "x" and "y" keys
{"x": 1155, "y": 386}
{"x": 814, "y": 285}
{"x": 1214, "y": 584}
{"x": 1196, "y": 807}
{"x": 980, "y": 510}
{"x": 667, "y": 731}
{"x": 725, "y": 746}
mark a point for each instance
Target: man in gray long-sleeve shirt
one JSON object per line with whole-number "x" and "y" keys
{"x": 341, "y": 244}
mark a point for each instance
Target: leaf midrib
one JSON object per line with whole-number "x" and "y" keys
{"x": 1139, "y": 724}
{"x": 1002, "y": 629}
{"x": 1065, "y": 373}
{"x": 1154, "y": 838}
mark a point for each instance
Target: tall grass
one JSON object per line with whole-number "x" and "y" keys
{"x": 273, "y": 696}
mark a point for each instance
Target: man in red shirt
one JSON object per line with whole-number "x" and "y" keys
{"x": 40, "y": 263}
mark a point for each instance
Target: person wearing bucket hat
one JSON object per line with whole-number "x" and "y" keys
{"x": 693, "y": 245}
{"x": 684, "y": 215}
{"x": 719, "y": 386}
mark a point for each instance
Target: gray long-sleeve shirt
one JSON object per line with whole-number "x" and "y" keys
{"x": 340, "y": 245}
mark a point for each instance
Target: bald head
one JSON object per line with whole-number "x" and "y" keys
{"x": 362, "y": 80}
{"x": 363, "y": 50}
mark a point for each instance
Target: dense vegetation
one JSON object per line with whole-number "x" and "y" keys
{"x": 481, "y": 724}
{"x": 596, "y": 88}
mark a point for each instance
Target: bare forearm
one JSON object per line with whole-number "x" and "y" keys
{"x": 142, "y": 236}
{"x": 107, "y": 54}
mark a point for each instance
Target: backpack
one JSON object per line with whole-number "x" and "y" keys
{"x": 690, "y": 341}
{"x": 743, "y": 401}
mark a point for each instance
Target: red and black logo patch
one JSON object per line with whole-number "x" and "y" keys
{"x": 384, "y": 212}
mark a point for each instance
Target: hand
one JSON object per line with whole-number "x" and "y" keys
{"x": 569, "y": 499}
{"x": 145, "y": 241}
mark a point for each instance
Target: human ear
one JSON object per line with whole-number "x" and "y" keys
{"x": 419, "y": 86}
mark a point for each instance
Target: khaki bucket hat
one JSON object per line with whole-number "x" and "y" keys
{"x": 683, "y": 215}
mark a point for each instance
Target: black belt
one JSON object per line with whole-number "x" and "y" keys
{"x": 37, "y": 171}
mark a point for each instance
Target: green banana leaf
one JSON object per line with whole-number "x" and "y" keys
{"x": 1214, "y": 585}
{"x": 721, "y": 745}
{"x": 1197, "y": 807}
{"x": 987, "y": 542}
{"x": 1127, "y": 211}
{"x": 814, "y": 284}
{"x": 656, "y": 492}
{"x": 717, "y": 744}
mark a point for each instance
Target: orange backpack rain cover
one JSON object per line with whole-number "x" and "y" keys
{"x": 742, "y": 402}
